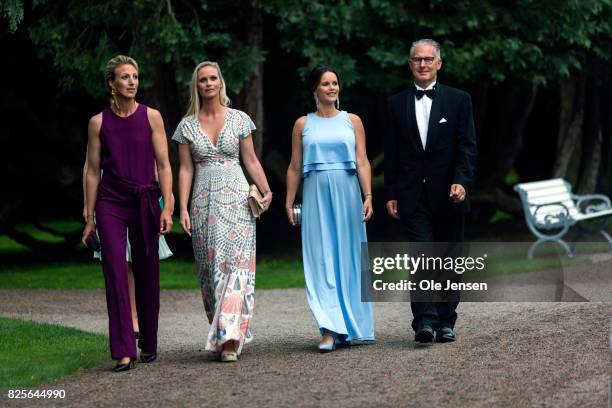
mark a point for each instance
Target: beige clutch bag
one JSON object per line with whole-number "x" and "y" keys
{"x": 255, "y": 201}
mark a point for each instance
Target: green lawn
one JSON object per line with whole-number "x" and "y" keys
{"x": 31, "y": 353}
{"x": 511, "y": 258}
{"x": 271, "y": 273}
{"x": 65, "y": 226}
{"x": 174, "y": 274}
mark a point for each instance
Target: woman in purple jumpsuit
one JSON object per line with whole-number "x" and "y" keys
{"x": 126, "y": 141}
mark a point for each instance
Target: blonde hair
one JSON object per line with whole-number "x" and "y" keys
{"x": 113, "y": 64}
{"x": 194, "y": 96}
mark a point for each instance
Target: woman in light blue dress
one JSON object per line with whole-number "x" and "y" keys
{"x": 329, "y": 153}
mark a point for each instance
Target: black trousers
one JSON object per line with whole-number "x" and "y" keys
{"x": 424, "y": 226}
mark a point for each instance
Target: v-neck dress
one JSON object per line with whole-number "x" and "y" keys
{"x": 222, "y": 227}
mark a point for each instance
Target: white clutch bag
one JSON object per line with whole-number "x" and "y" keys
{"x": 255, "y": 200}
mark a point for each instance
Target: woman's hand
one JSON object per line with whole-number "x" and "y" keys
{"x": 172, "y": 204}
{"x": 185, "y": 222}
{"x": 165, "y": 222}
{"x": 267, "y": 200}
{"x": 289, "y": 211}
{"x": 367, "y": 208}
{"x": 90, "y": 228}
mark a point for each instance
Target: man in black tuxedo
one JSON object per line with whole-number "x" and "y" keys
{"x": 430, "y": 160}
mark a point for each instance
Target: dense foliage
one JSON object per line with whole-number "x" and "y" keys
{"x": 530, "y": 65}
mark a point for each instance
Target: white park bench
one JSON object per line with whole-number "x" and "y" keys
{"x": 551, "y": 209}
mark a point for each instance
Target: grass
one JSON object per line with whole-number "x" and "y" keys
{"x": 174, "y": 274}
{"x": 510, "y": 258}
{"x": 31, "y": 353}
{"x": 8, "y": 245}
{"x": 278, "y": 273}
{"x": 271, "y": 273}
{"x": 64, "y": 226}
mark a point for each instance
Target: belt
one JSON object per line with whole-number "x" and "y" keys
{"x": 147, "y": 196}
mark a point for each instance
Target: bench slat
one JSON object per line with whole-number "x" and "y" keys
{"x": 542, "y": 192}
{"x": 563, "y": 198}
{"x": 534, "y": 185}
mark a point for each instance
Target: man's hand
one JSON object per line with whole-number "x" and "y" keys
{"x": 392, "y": 209}
{"x": 457, "y": 193}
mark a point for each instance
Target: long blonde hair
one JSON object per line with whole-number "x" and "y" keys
{"x": 194, "y": 96}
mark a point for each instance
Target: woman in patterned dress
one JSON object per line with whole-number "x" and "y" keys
{"x": 212, "y": 136}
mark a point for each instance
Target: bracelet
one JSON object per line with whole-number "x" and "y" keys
{"x": 88, "y": 216}
{"x": 367, "y": 194}
{"x": 267, "y": 191}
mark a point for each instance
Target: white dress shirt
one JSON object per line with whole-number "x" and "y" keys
{"x": 422, "y": 108}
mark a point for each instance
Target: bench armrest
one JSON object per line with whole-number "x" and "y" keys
{"x": 562, "y": 218}
{"x": 603, "y": 205}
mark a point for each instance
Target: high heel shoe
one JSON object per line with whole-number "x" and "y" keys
{"x": 137, "y": 335}
{"x": 125, "y": 367}
{"x": 327, "y": 347}
{"x": 229, "y": 356}
{"x": 148, "y": 358}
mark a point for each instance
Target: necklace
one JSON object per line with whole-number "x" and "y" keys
{"x": 122, "y": 114}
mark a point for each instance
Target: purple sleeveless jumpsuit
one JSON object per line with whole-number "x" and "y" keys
{"x": 127, "y": 200}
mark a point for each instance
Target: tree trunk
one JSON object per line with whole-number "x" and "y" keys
{"x": 480, "y": 103}
{"x": 588, "y": 178}
{"x": 163, "y": 95}
{"x": 591, "y": 139}
{"x": 253, "y": 90}
{"x": 502, "y": 140}
{"x": 570, "y": 127}
{"x": 607, "y": 167}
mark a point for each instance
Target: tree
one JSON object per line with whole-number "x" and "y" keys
{"x": 167, "y": 39}
{"x": 12, "y": 12}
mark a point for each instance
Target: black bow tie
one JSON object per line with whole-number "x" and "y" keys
{"x": 431, "y": 93}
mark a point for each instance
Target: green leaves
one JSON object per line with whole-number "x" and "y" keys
{"x": 367, "y": 40}
{"x": 79, "y": 37}
{"x": 12, "y": 12}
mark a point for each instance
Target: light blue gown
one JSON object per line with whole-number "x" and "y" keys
{"x": 332, "y": 228}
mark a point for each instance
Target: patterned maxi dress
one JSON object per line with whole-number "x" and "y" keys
{"x": 222, "y": 228}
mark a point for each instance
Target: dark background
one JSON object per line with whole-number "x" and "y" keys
{"x": 538, "y": 73}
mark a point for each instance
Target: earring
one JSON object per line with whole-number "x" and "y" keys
{"x": 338, "y": 102}
{"x": 114, "y": 96}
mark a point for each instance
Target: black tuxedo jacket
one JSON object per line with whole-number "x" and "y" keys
{"x": 449, "y": 156}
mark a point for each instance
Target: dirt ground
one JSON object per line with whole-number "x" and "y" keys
{"x": 507, "y": 354}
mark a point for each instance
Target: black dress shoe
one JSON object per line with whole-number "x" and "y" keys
{"x": 424, "y": 335}
{"x": 125, "y": 367}
{"x": 148, "y": 358}
{"x": 445, "y": 335}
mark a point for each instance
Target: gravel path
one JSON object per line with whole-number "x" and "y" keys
{"x": 507, "y": 354}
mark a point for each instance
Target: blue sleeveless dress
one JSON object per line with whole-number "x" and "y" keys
{"x": 332, "y": 228}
